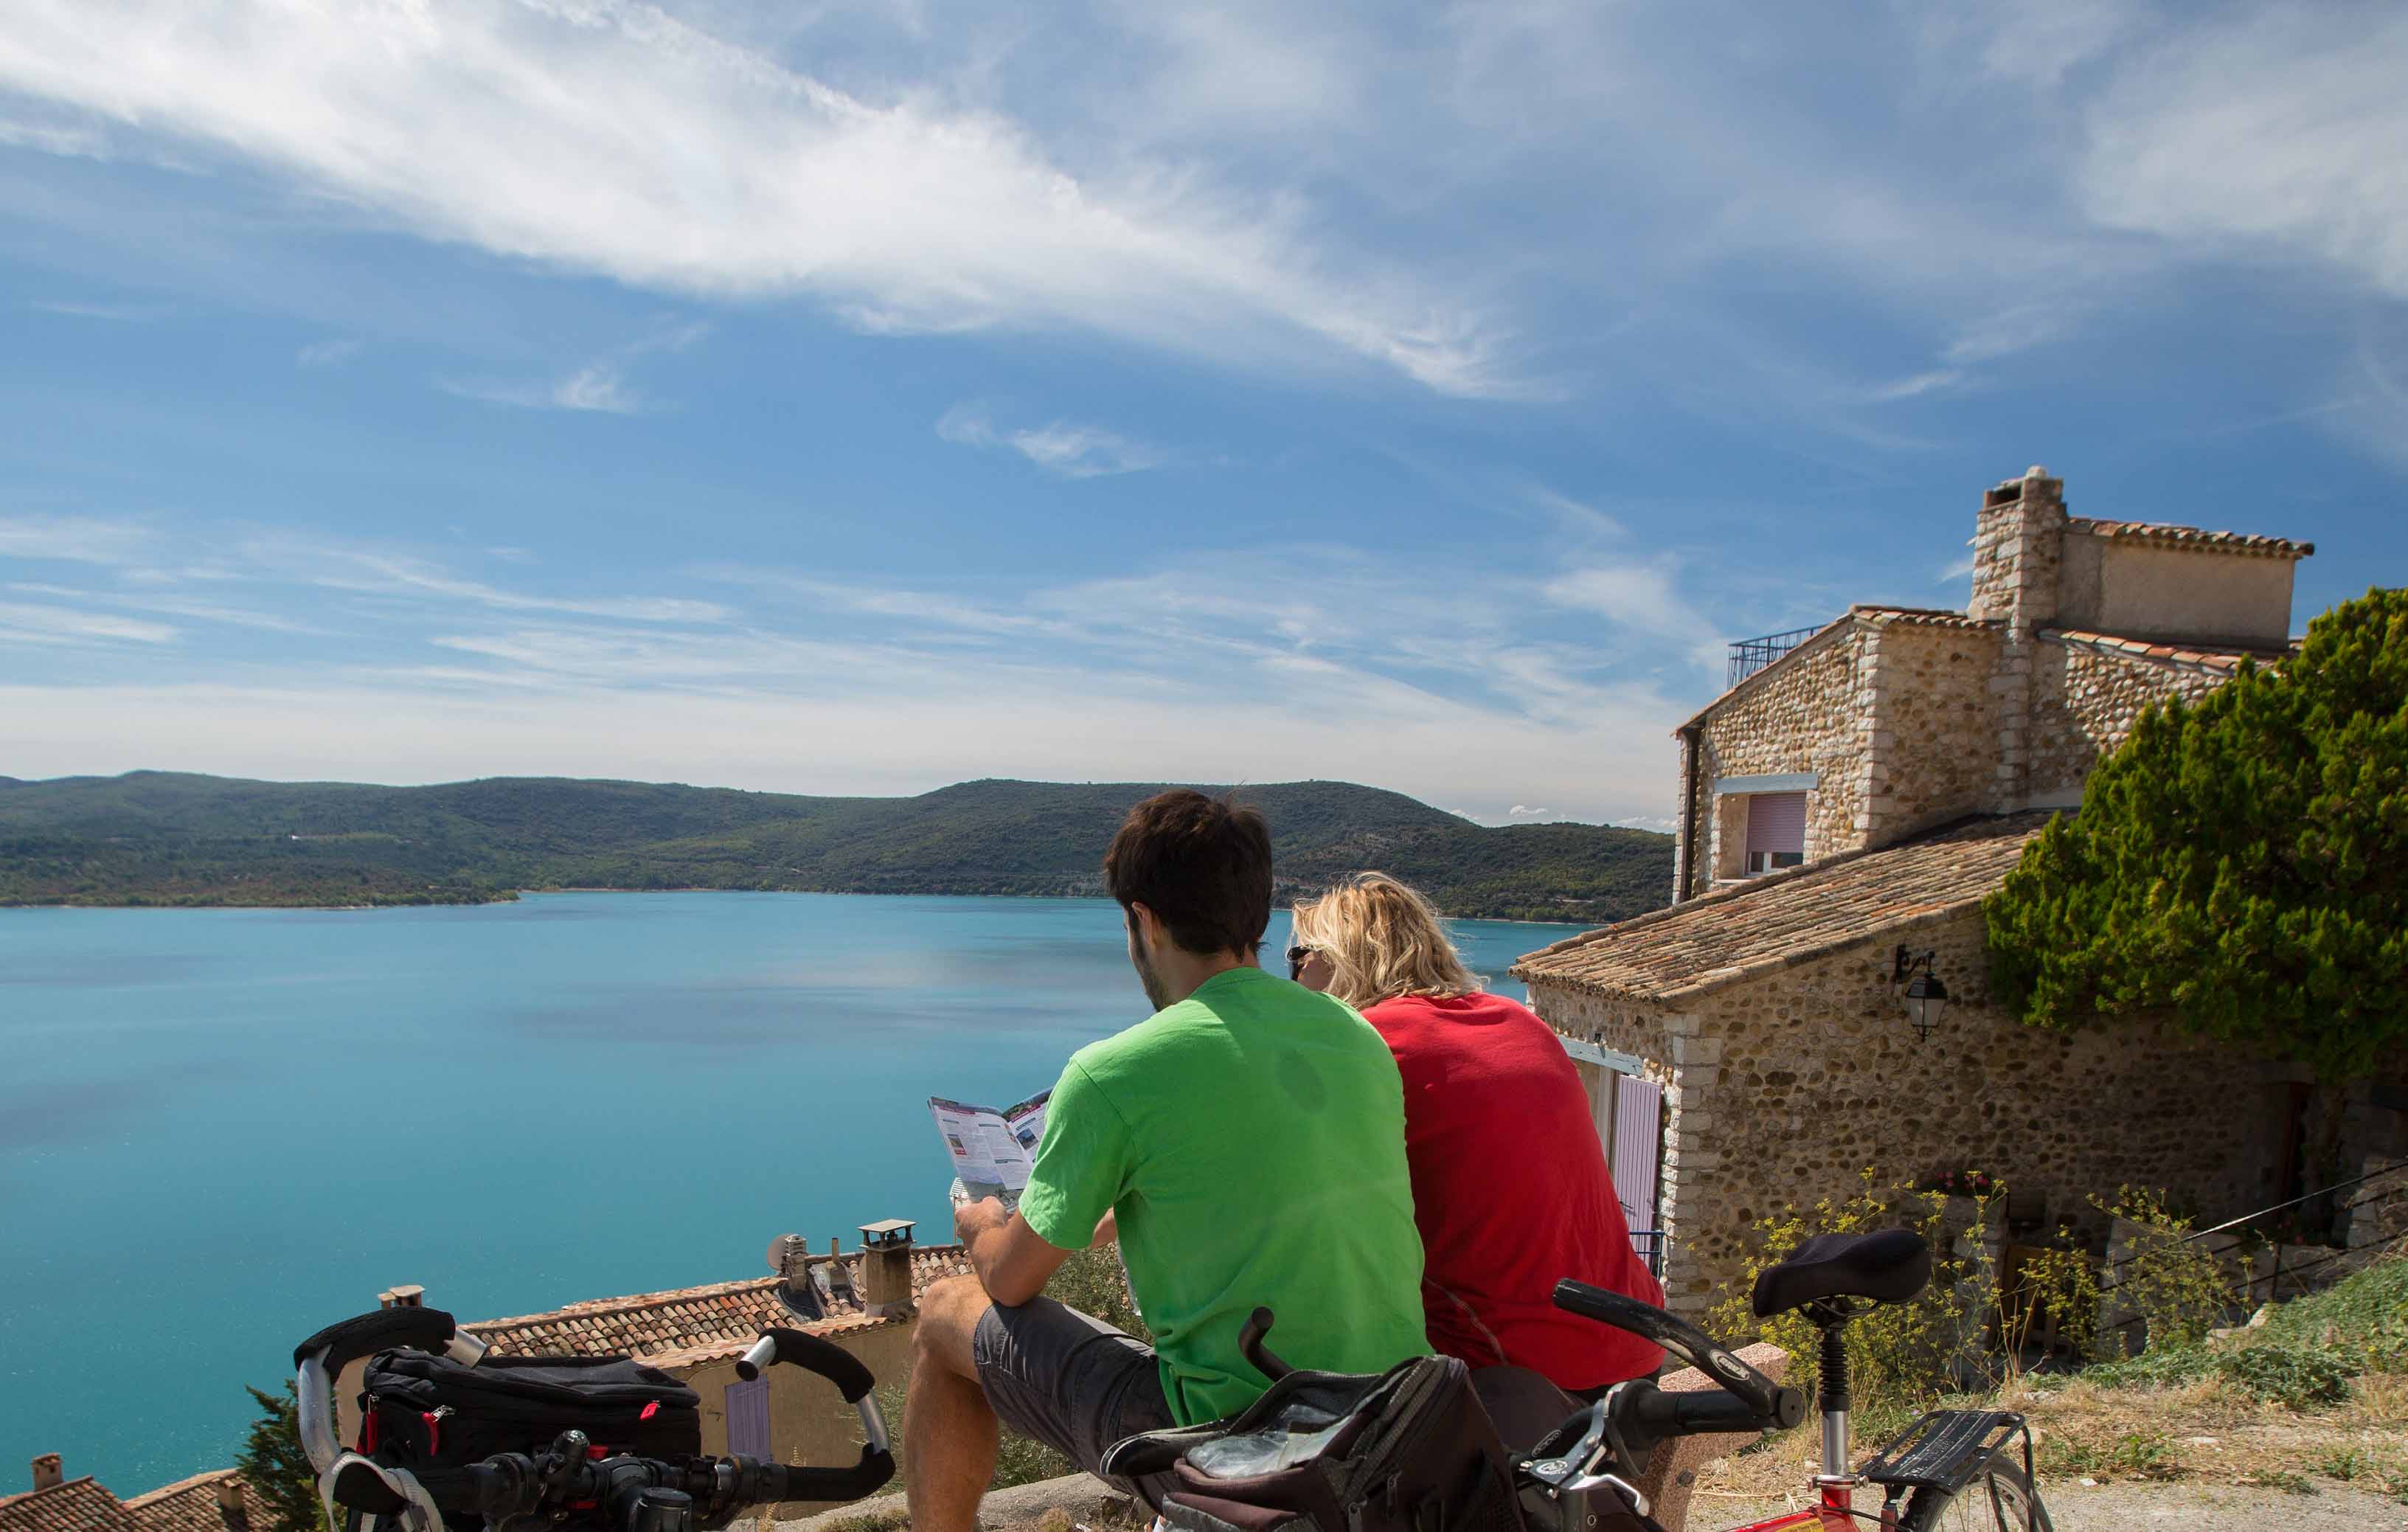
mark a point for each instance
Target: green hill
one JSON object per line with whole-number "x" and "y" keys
{"x": 152, "y": 838}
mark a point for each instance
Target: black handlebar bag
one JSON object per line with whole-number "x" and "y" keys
{"x": 1409, "y": 1449}
{"x": 434, "y": 1416}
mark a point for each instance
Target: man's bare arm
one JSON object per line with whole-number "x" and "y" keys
{"x": 1012, "y": 1260}
{"x": 1108, "y": 1230}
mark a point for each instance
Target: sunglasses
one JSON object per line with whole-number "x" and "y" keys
{"x": 1296, "y": 956}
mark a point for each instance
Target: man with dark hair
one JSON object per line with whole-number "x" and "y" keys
{"x": 1244, "y": 1144}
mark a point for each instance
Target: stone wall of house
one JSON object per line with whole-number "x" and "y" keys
{"x": 1934, "y": 739}
{"x": 2085, "y": 700}
{"x": 1785, "y": 1089}
{"x": 1810, "y": 713}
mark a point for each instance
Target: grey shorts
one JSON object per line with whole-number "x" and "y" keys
{"x": 1067, "y": 1379}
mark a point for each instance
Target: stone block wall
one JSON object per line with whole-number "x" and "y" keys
{"x": 2085, "y": 700}
{"x": 1933, "y": 741}
{"x": 1812, "y": 712}
{"x": 1783, "y": 1089}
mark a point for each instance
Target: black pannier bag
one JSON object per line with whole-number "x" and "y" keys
{"x": 1409, "y": 1449}
{"x": 434, "y": 1416}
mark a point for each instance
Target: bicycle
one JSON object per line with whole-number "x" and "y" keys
{"x": 1951, "y": 1470}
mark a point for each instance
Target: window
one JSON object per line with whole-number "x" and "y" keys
{"x": 748, "y": 1419}
{"x": 1776, "y": 831}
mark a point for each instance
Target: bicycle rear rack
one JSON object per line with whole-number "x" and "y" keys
{"x": 1944, "y": 1449}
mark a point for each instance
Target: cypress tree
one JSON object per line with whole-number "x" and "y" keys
{"x": 2241, "y": 860}
{"x": 277, "y": 1468}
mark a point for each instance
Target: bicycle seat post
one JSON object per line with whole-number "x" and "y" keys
{"x": 1831, "y": 1394}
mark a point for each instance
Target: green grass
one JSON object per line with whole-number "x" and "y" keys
{"x": 172, "y": 838}
{"x": 2303, "y": 1356}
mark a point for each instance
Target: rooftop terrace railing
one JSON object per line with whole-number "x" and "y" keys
{"x": 1750, "y": 655}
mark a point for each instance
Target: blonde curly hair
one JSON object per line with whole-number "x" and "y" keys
{"x": 1383, "y": 939}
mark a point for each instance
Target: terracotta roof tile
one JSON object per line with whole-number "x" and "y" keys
{"x": 1786, "y": 918}
{"x": 1935, "y": 617}
{"x": 2188, "y": 659}
{"x": 719, "y": 1318}
{"x": 2191, "y": 537}
{"x": 78, "y": 1504}
{"x": 190, "y": 1505}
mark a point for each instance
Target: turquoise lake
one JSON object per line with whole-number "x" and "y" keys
{"x": 221, "y": 1129}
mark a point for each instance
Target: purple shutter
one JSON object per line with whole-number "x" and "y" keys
{"x": 1776, "y": 822}
{"x": 1638, "y": 1131}
{"x": 748, "y": 1419}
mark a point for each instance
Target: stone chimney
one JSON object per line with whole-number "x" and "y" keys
{"x": 886, "y": 1266}
{"x": 2018, "y": 546}
{"x": 49, "y": 1472}
{"x": 404, "y": 1296}
{"x": 229, "y": 1491}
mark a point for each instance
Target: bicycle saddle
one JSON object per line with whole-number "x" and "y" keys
{"x": 1889, "y": 1266}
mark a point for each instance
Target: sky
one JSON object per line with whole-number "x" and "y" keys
{"x": 859, "y": 397}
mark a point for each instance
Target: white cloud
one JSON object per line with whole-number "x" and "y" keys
{"x": 339, "y": 567}
{"x": 1916, "y": 386}
{"x": 113, "y": 313}
{"x": 600, "y": 387}
{"x": 326, "y": 353}
{"x": 75, "y": 540}
{"x": 646, "y": 149}
{"x": 206, "y": 611}
{"x": 1644, "y": 599}
{"x": 1060, "y": 447}
{"x": 2284, "y": 130}
{"x": 1524, "y": 811}
{"x": 1959, "y": 569}
{"x": 43, "y": 625}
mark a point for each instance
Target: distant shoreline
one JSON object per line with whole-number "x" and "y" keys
{"x": 515, "y": 894}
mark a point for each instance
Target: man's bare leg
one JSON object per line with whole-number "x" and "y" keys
{"x": 948, "y": 1429}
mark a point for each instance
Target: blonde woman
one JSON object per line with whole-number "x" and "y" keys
{"x": 1511, "y": 1190}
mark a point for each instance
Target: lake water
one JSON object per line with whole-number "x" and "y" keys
{"x": 221, "y": 1129}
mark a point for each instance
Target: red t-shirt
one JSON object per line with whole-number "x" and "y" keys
{"x": 1510, "y": 1192}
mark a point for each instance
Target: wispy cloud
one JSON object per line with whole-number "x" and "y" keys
{"x": 1524, "y": 811}
{"x": 169, "y": 606}
{"x": 75, "y": 540}
{"x": 600, "y": 387}
{"x": 1960, "y": 569}
{"x": 1643, "y": 599}
{"x": 2276, "y": 129}
{"x": 22, "y": 623}
{"x": 909, "y": 212}
{"x": 1059, "y": 447}
{"x": 112, "y": 313}
{"x": 327, "y": 353}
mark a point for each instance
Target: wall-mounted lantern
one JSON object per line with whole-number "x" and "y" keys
{"x": 1926, "y": 996}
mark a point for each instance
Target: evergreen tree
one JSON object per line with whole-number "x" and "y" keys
{"x": 2242, "y": 862}
{"x": 277, "y": 1468}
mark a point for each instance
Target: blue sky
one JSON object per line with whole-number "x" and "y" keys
{"x": 860, "y": 397}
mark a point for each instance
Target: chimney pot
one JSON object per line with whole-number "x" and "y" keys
{"x": 229, "y": 1487}
{"x": 49, "y": 1472}
{"x": 885, "y": 1267}
{"x": 409, "y": 1296}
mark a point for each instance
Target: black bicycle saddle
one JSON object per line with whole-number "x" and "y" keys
{"x": 1889, "y": 1266}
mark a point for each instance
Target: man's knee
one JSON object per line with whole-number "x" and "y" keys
{"x": 950, "y": 1312}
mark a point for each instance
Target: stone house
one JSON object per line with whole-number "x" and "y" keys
{"x": 1843, "y": 809}
{"x": 216, "y": 1501}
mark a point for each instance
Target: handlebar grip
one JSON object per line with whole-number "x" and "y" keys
{"x": 812, "y": 1353}
{"x": 1676, "y": 1335}
{"x": 1710, "y": 1410}
{"x": 877, "y": 1466}
{"x": 427, "y": 1329}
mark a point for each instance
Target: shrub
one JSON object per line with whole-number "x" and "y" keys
{"x": 2294, "y": 1376}
{"x": 2175, "y": 1286}
{"x": 1900, "y": 1354}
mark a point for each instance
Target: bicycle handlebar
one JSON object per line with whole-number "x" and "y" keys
{"x": 510, "y": 1484}
{"x": 1764, "y": 1398}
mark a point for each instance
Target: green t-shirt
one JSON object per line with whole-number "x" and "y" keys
{"x": 1252, "y": 1140}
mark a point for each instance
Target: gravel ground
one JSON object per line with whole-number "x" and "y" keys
{"x": 2158, "y": 1508}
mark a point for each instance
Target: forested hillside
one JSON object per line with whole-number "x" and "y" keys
{"x": 153, "y": 838}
